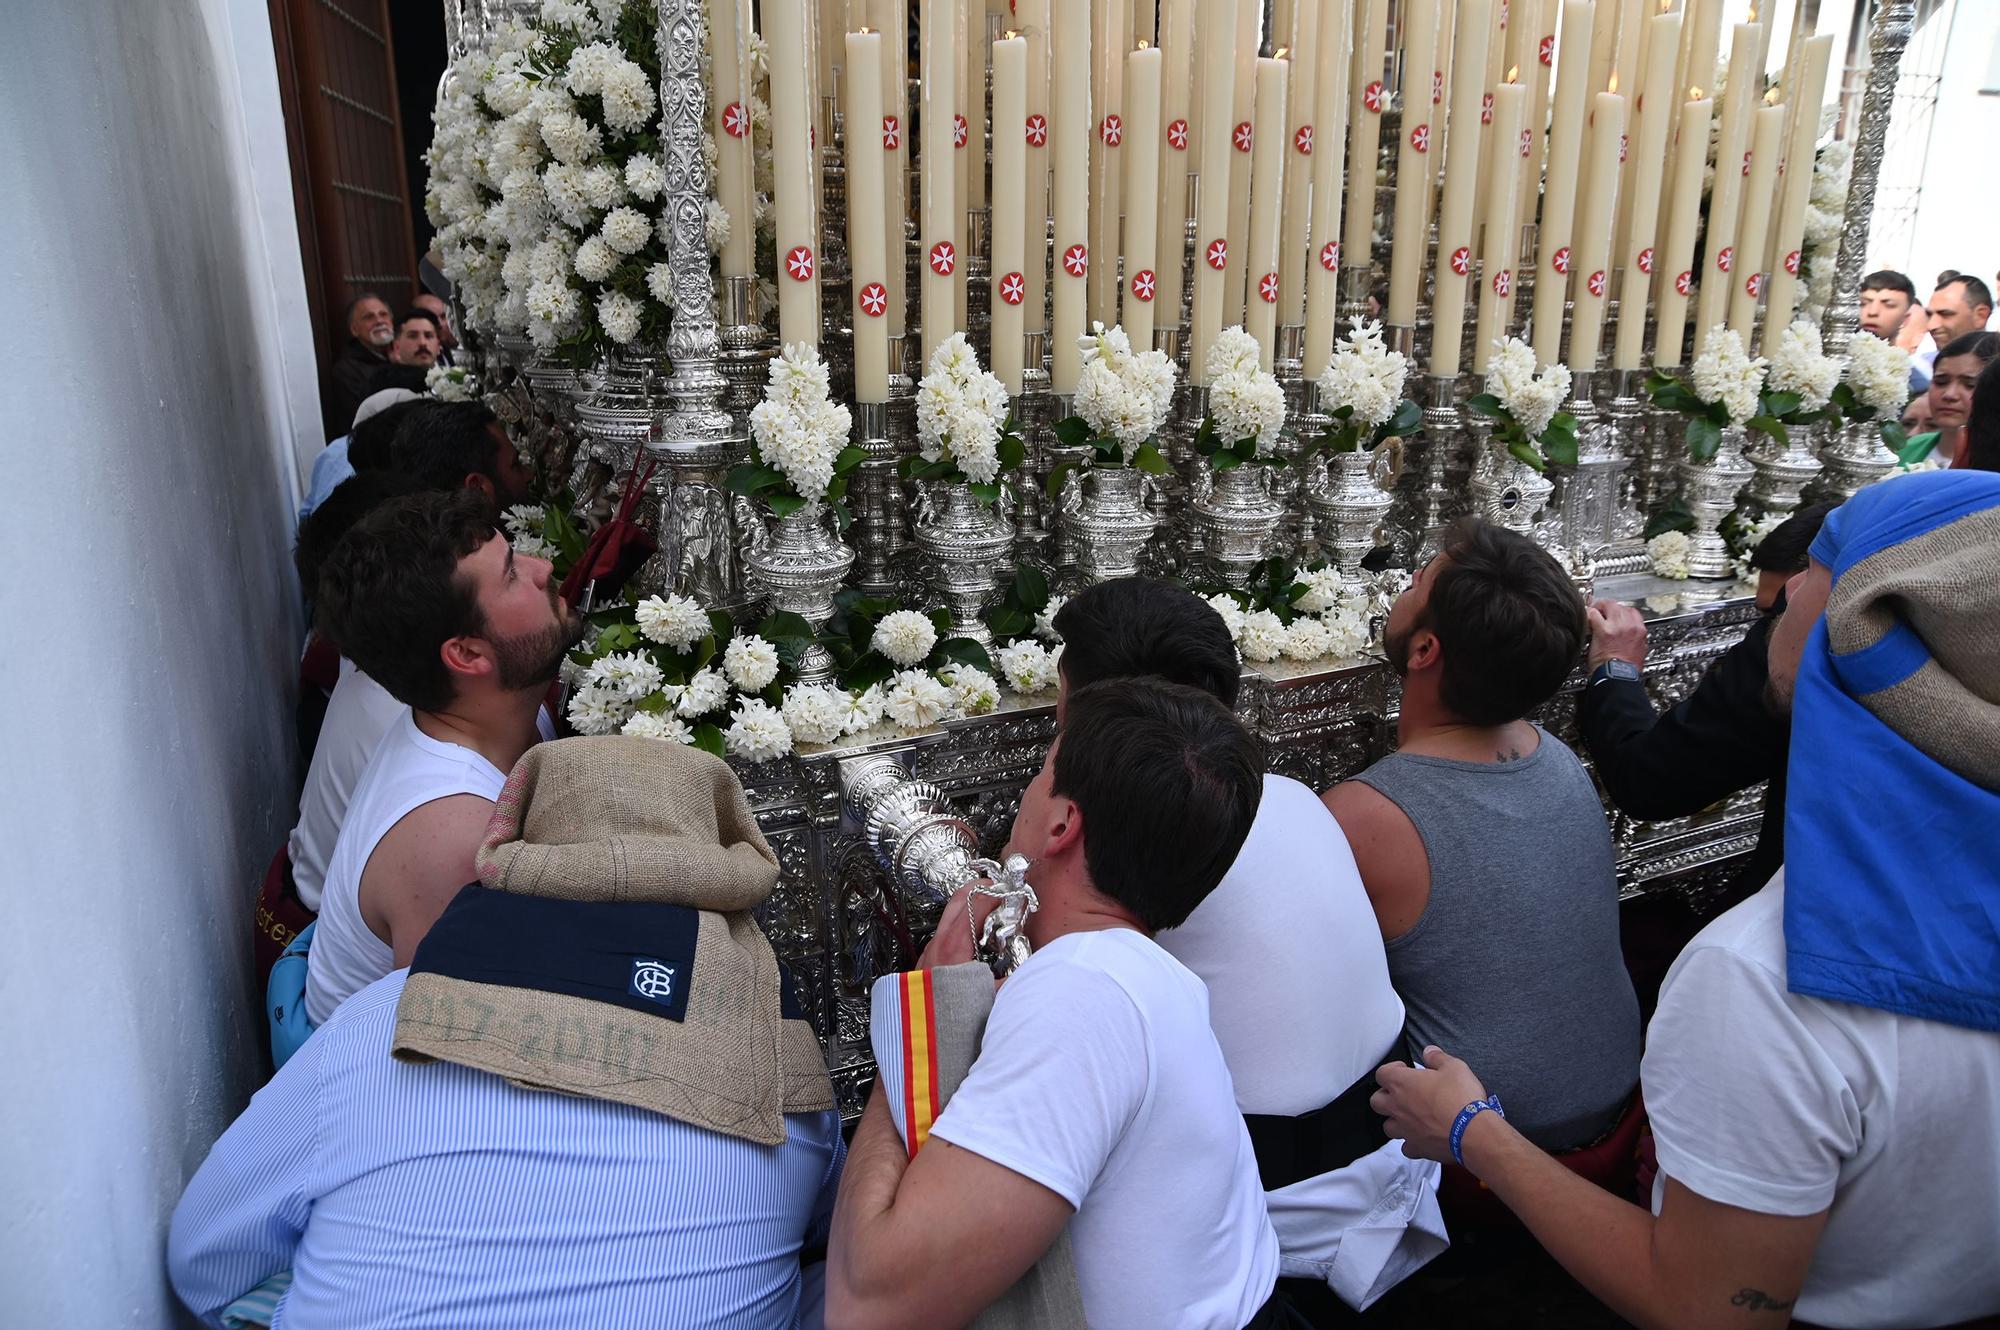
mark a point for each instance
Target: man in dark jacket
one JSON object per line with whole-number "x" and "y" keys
{"x": 351, "y": 376}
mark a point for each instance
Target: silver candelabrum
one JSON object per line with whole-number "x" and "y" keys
{"x": 1709, "y": 488}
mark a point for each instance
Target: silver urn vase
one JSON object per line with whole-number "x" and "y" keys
{"x": 1348, "y": 495}
{"x": 1505, "y": 490}
{"x": 799, "y": 564}
{"x": 1709, "y": 489}
{"x": 968, "y": 547}
{"x": 1854, "y": 457}
{"x": 1105, "y": 518}
{"x": 1237, "y": 516}
{"x": 623, "y": 413}
{"x": 1781, "y": 472}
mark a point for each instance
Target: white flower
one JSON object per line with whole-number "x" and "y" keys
{"x": 674, "y": 621}
{"x": 1366, "y": 375}
{"x": 644, "y": 176}
{"x": 797, "y": 428}
{"x": 534, "y": 547}
{"x": 627, "y": 98}
{"x": 596, "y": 709}
{"x": 570, "y": 139}
{"x": 587, "y": 65}
{"x": 1233, "y": 355}
{"x": 1323, "y": 590}
{"x": 658, "y": 725}
{"x": 1263, "y": 636}
{"x": 1669, "y": 553}
{"x": 759, "y": 732}
{"x": 1243, "y": 401}
{"x": 1797, "y": 366}
{"x": 815, "y": 713}
{"x": 973, "y": 690}
{"x": 1725, "y": 373}
{"x": 618, "y": 313}
{"x": 567, "y": 14}
{"x": 1531, "y": 399}
{"x": 627, "y": 230}
{"x": 1879, "y": 374}
{"x": 1122, "y": 394}
{"x": 1306, "y": 638}
{"x": 451, "y": 383}
{"x": 1231, "y": 612}
{"x": 715, "y": 225}
{"x": 862, "y": 711}
{"x": 1347, "y": 631}
{"x": 915, "y": 700}
{"x": 750, "y": 662}
{"x": 707, "y": 691}
{"x": 905, "y": 637}
{"x": 1028, "y": 666}
{"x": 601, "y": 186}
{"x": 524, "y": 519}
{"x": 595, "y": 260}
{"x": 1045, "y": 619}
{"x": 960, "y": 409}
{"x": 629, "y": 674}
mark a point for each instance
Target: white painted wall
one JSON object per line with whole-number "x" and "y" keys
{"x": 156, "y": 396}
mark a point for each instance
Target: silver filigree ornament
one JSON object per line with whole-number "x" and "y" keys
{"x": 1002, "y": 942}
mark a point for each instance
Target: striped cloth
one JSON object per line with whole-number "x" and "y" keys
{"x": 433, "y": 1194}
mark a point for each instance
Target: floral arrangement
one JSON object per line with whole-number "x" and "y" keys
{"x": 1874, "y": 386}
{"x": 964, "y": 431}
{"x": 452, "y": 383}
{"x": 1362, "y": 389}
{"x": 1285, "y": 614}
{"x": 1122, "y": 399}
{"x": 1668, "y": 554}
{"x": 463, "y": 195}
{"x": 799, "y": 438}
{"x": 1527, "y": 403}
{"x": 545, "y": 531}
{"x": 1744, "y": 537}
{"x": 1799, "y": 382}
{"x": 1246, "y": 407}
{"x": 1724, "y": 387}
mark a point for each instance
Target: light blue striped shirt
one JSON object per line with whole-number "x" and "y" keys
{"x": 435, "y": 1195}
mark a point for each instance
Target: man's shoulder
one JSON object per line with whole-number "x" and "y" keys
{"x": 1120, "y": 966}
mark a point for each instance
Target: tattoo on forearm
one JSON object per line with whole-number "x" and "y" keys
{"x": 1757, "y": 1300}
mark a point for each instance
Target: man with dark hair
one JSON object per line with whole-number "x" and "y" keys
{"x": 1960, "y": 306}
{"x": 1298, "y": 986}
{"x": 1717, "y": 740}
{"x": 434, "y": 605}
{"x": 441, "y": 314}
{"x": 375, "y": 423}
{"x": 351, "y": 376}
{"x": 1889, "y": 310}
{"x": 1484, "y": 846}
{"x": 1099, "y": 1104}
{"x": 416, "y": 346}
{"x": 453, "y": 445}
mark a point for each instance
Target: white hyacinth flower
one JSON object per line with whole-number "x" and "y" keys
{"x": 707, "y": 691}
{"x": 816, "y": 713}
{"x": 916, "y": 700}
{"x": 758, "y": 733}
{"x": 750, "y": 662}
{"x": 658, "y": 725}
{"x": 974, "y": 691}
{"x": 674, "y": 621}
{"x": 1725, "y": 373}
{"x": 1029, "y": 667}
{"x": 596, "y": 709}
{"x": 1263, "y": 636}
{"x": 905, "y": 637}
{"x": 1668, "y": 552}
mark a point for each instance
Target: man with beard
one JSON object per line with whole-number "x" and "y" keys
{"x": 351, "y": 377}
{"x": 453, "y": 445}
{"x": 433, "y": 604}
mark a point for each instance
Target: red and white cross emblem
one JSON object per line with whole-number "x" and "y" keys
{"x": 1646, "y": 259}
{"x": 874, "y": 300}
{"x": 960, "y": 131}
{"x": 1461, "y": 260}
{"x": 1503, "y": 283}
{"x": 1112, "y": 130}
{"x": 799, "y": 263}
{"x": 1746, "y": 163}
{"x": 1371, "y": 97}
{"x": 1546, "y": 52}
{"x": 1302, "y": 140}
{"x": 1076, "y": 260}
{"x": 1142, "y": 284}
{"x": 1560, "y": 261}
{"x": 892, "y": 133}
{"x": 1177, "y": 136}
{"x": 1486, "y": 109}
{"x": 1726, "y": 259}
{"x": 1527, "y": 141}
{"x": 1038, "y": 130}
{"x": 1624, "y": 146}
{"x": 1596, "y": 282}
{"x": 1217, "y": 254}
{"x": 1329, "y": 256}
{"x": 1437, "y": 87}
{"x": 735, "y": 120}
{"x": 1013, "y": 289}
{"x": 1684, "y": 283}
{"x": 1267, "y": 287}
{"x": 1792, "y": 263}
{"x": 1420, "y": 138}
{"x": 943, "y": 258}
{"x": 1241, "y": 136}
{"x": 1753, "y": 285}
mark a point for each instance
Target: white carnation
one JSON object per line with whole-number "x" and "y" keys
{"x": 815, "y": 713}
{"x": 587, "y": 65}
{"x": 570, "y": 139}
{"x": 595, "y": 260}
{"x": 1668, "y": 553}
{"x": 759, "y": 732}
{"x": 905, "y": 637}
{"x": 1028, "y": 666}
{"x": 618, "y": 314}
{"x": 627, "y": 230}
{"x": 644, "y": 176}
{"x": 658, "y": 725}
{"x": 674, "y": 621}
{"x": 1231, "y": 612}
{"x": 1263, "y": 636}
{"x": 628, "y": 98}
{"x": 751, "y": 662}
{"x": 1725, "y": 373}
{"x": 660, "y": 283}
{"x": 1879, "y": 374}
{"x": 916, "y": 700}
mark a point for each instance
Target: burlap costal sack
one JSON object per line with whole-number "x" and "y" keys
{"x": 620, "y": 819}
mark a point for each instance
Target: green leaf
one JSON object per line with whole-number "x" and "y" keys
{"x": 1486, "y": 404}
{"x": 1770, "y": 425}
{"x": 843, "y": 516}
{"x": 987, "y": 492}
{"x": 960, "y": 651}
{"x": 1073, "y": 431}
{"x": 1246, "y": 449}
{"x": 1224, "y": 461}
{"x": 1011, "y": 452}
{"x": 1704, "y": 436}
{"x": 836, "y": 489}
{"x": 1658, "y": 381}
{"x": 789, "y": 633}
{"x": 1148, "y": 459}
{"x": 1408, "y": 420}
{"x": 1031, "y": 586}
{"x": 847, "y": 459}
{"x": 751, "y": 479}
{"x": 784, "y": 505}
{"x": 1894, "y": 435}
{"x": 1781, "y": 404}
{"x": 1005, "y": 621}
{"x": 708, "y": 737}
{"x": 1559, "y": 446}
{"x": 1527, "y": 454}
{"x": 1204, "y": 436}
{"x": 916, "y": 468}
{"x": 1674, "y": 517}
{"x": 941, "y": 620}
{"x": 872, "y": 668}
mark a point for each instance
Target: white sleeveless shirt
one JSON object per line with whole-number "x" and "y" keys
{"x": 409, "y": 770}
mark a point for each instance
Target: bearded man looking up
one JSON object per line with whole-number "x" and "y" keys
{"x": 351, "y": 376}
{"x": 433, "y": 604}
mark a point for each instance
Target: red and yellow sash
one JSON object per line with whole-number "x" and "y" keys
{"x": 921, "y": 1101}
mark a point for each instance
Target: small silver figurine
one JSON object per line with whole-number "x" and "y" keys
{"x": 1003, "y": 942}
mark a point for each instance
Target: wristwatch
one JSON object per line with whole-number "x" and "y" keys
{"x": 1614, "y": 669}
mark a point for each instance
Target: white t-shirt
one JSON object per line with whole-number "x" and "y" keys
{"x": 1288, "y": 947}
{"x": 1098, "y": 1078}
{"x": 358, "y": 714}
{"x": 1789, "y": 1105}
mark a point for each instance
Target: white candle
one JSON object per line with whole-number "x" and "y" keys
{"x": 961, "y": 156}
{"x": 1295, "y": 244}
{"x": 891, "y": 19}
{"x": 867, "y": 229}
{"x": 1753, "y": 229}
{"x": 1567, "y": 132}
{"x": 1676, "y": 267}
{"x": 1267, "y": 196}
{"x": 938, "y": 195}
{"x": 1033, "y": 15}
{"x": 1364, "y": 112}
{"x": 1648, "y": 167}
{"x": 1142, "y": 192}
{"x": 1108, "y": 47}
{"x": 972, "y": 97}
{"x": 1631, "y": 15}
{"x": 1503, "y": 230}
{"x": 1452, "y": 274}
{"x": 1701, "y": 28}
{"x": 1593, "y": 230}
{"x": 1243, "y": 112}
{"x": 1537, "y": 46}
{"x": 1329, "y": 138}
{"x": 1010, "y": 178}
{"x": 1176, "y": 158}
{"x": 1789, "y": 236}
{"x": 729, "y": 109}
{"x": 1414, "y": 173}
{"x": 793, "y": 175}
{"x": 1069, "y": 187}
{"x": 1732, "y": 167}
{"x": 1212, "y": 258}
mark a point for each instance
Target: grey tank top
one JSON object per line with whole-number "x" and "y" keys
{"x": 1514, "y": 964}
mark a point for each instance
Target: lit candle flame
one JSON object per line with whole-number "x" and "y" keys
{"x": 1771, "y": 97}
{"x": 1145, "y": 45}
{"x": 1281, "y": 53}
{"x": 1514, "y": 74}
{"x": 1613, "y": 85}
{"x": 1694, "y": 94}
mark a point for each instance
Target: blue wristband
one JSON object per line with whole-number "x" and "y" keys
{"x": 1464, "y": 1119}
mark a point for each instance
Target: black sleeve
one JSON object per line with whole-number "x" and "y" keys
{"x": 1716, "y": 741}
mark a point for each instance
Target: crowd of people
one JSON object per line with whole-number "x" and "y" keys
{"x": 1275, "y": 1049}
